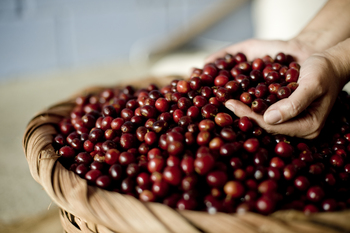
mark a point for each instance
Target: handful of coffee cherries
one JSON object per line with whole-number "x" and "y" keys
{"x": 180, "y": 146}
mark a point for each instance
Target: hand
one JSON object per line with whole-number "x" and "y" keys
{"x": 304, "y": 112}
{"x": 254, "y": 48}
{"x": 323, "y": 51}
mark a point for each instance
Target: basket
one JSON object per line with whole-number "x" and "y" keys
{"x": 85, "y": 208}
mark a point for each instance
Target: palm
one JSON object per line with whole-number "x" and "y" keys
{"x": 258, "y": 48}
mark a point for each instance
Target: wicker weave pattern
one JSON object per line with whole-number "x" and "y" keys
{"x": 86, "y": 208}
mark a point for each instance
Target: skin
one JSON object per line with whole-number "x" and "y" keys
{"x": 323, "y": 50}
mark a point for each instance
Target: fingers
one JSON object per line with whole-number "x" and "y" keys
{"x": 254, "y": 48}
{"x": 288, "y": 108}
{"x": 240, "y": 109}
{"x": 284, "y": 109}
{"x": 251, "y": 48}
{"x": 233, "y": 49}
{"x": 305, "y": 126}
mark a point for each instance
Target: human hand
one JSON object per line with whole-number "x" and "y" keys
{"x": 254, "y": 48}
{"x": 322, "y": 76}
{"x": 304, "y": 112}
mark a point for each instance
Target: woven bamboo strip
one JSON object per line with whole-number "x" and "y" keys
{"x": 177, "y": 224}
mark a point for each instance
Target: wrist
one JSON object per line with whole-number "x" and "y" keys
{"x": 302, "y": 46}
{"x": 328, "y": 27}
{"x": 339, "y": 58}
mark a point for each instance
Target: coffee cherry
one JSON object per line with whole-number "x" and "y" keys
{"x": 251, "y": 145}
{"x": 265, "y": 205}
{"x": 271, "y": 99}
{"x": 187, "y": 164}
{"x": 96, "y": 165}
{"x": 267, "y": 186}
{"x": 125, "y": 158}
{"x": 337, "y": 160}
{"x": 274, "y": 87}
{"x": 221, "y": 94}
{"x": 221, "y": 80}
{"x": 203, "y": 164}
{"x": 246, "y": 98}
{"x": 329, "y": 205}
{"x": 160, "y": 188}
{"x": 127, "y": 140}
{"x": 209, "y": 111}
{"x": 162, "y": 105}
{"x": 301, "y": 183}
{"x": 245, "y": 124}
{"x": 216, "y": 143}
{"x": 292, "y": 75}
{"x": 223, "y": 119}
{"x": 234, "y": 189}
{"x": 92, "y": 175}
{"x": 81, "y": 169}
{"x": 272, "y": 77}
{"x": 259, "y": 106}
{"x": 183, "y": 86}
{"x": 232, "y": 86}
{"x": 283, "y": 92}
{"x": 156, "y": 164}
{"x": 289, "y": 171}
{"x": 216, "y": 179}
{"x": 96, "y": 135}
{"x": 67, "y": 152}
{"x": 112, "y": 156}
{"x": 116, "y": 172}
{"x": 83, "y": 158}
{"x": 310, "y": 208}
{"x": 283, "y": 149}
{"x": 189, "y": 204}
{"x": 147, "y": 196}
{"x": 103, "y": 181}
{"x": 261, "y": 90}
{"x": 245, "y": 83}
{"x": 281, "y": 58}
{"x": 315, "y": 194}
{"x": 195, "y": 83}
{"x": 228, "y": 134}
{"x": 258, "y": 64}
{"x": 229, "y": 149}
{"x": 172, "y": 175}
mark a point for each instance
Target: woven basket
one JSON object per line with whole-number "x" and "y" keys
{"x": 85, "y": 208}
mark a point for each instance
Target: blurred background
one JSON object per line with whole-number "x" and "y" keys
{"x": 50, "y": 49}
{"x": 41, "y": 35}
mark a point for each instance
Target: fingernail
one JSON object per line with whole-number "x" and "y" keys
{"x": 273, "y": 117}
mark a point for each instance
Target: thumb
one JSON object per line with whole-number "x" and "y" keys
{"x": 290, "y": 107}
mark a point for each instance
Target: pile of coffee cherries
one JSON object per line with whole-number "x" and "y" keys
{"x": 180, "y": 146}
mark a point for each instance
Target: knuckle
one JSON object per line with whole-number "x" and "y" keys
{"x": 313, "y": 135}
{"x": 315, "y": 129}
{"x": 319, "y": 87}
{"x": 295, "y": 108}
{"x": 292, "y": 109}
